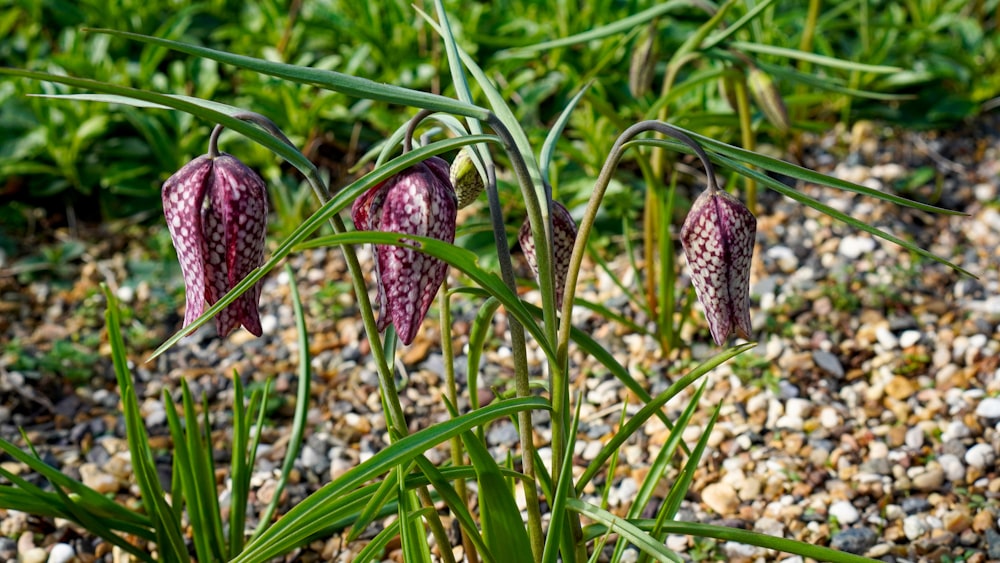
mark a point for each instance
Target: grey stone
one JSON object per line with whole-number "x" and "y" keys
{"x": 828, "y": 363}
{"x": 854, "y": 540}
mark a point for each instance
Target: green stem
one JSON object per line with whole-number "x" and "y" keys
{"x": 746, "y": 137}
{"x": 520, "y": 356}
{"x": 448, "y": 352}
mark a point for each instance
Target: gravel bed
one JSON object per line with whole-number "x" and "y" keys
{"x": 867, "y": 418}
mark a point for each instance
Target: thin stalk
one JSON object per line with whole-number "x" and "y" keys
{"x": 457, "y": 456}
{"x": 521, "y": 384}
{"x": 746, "y": 137}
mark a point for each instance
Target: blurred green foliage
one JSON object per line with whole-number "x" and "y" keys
{"x": 103, "y": 161}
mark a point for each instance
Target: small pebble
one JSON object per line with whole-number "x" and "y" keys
{"x": 914, "y": 527}
{"x": 852, "y": 246}
{"x": 980, "y": 456}
{"x": 909, "y": 338}
{"x": 34, "y": 555}
{"x": 61, "y": 553}
{"x": 845, "y": 512}
{"x": 721, "y": 498}
{"x": 828, "y": 363}
{"x": 989, "y": 408}
{"x": 854, "y": 540}
{"x": 953, "y": 468}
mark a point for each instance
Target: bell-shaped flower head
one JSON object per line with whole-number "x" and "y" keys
{"x": 216, "y": 211}
{"x": 418, "y": 201}
{"x": 563, "y": 238}
{"x": 718, "y": 239}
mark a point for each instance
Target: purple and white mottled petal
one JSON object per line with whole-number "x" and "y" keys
{"x": 418, "y": 201}
{"x": 564, "y": 237}
{"x": 183, "y": 194}
{"x": 718, "y": 239}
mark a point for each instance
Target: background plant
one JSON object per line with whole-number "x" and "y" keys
{"x": 408, "y": 480}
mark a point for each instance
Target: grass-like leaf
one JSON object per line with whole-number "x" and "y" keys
{"x": 503, "y": 529}
{"x": 652, "y": 407}
{"x": 328, "y": 79}
{"x": 635, "y": 535}
{"x": 311, "y": 515}
{"x": 621, "y": 26}
{"x": 821, "y": 60}
{"x": 169, "y": 538}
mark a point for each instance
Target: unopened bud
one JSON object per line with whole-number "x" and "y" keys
{"x": 466, "y": 179}
{"x": 766, "y": 94}
{"x": 643, "y": 64}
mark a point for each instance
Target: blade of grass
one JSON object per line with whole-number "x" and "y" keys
{"x": 301, "y": 403}
{"x": 328, "y": 79}
{"x": 635, "y": 535}
{"x": 168, "y": 533}
{"x": 309, "y": 516}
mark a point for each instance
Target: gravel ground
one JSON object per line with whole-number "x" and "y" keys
{"x": 868, "y": 417}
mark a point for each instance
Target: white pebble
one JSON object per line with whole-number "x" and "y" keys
{"x": 914, "y": 527}
{"x": 954, "y": 470}
{"x": 799, "y": 408}
{"x": 989, "y": 408}
{"x": 852, "y": 247}
{"x": 61, "y": 553}
{"x": 784, "y": 257}
{"x": 269, "y": 323}
{"x": 828, "y": 417}
{"x": 980, "y": 456}
{"x": 956, "y": 430}
{"x": 844, "y": 512}
{"x": 909, "y": 338}
{"x": 886, "y": 338}
{"x": 914, "y": 438}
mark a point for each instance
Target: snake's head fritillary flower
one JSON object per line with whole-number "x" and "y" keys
{"x": 418, "y": 201}
{"x": 216, "y": 211}
{"x": 718, "y": 239}
{"x": 563, "y": 238}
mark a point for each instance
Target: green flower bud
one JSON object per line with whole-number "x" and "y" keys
{"x": 768, "y": 99}
{"x": 466, "y": 179}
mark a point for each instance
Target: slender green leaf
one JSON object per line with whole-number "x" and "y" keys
{"x": 653, "y": 406}
{"x": 621, "y": 26}
{"x": 549, "y": 146}
{"x": 503, "y": 529}
{"x": 168, "y": 533}
{"x": 478, "y": 334}
{"x": 820, "y": 60}
{"x": 311, "y": 515}
{"x": 636, "y": 536}
{"x": 328, "y": 79}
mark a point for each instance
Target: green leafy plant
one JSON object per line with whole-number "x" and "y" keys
{"x": 399, "y": 479}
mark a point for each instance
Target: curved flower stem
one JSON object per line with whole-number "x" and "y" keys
{"x": 518, "y": 346}
{"x": 411, "y": 128}
{"x": 253, "y": 117}
{"x": 587, "y": 222}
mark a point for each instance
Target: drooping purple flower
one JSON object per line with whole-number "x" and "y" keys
{"x": 563, "y": 238}
{"x": 418, "y": 201}
{"x": 216, "y": 210}
{"x": 718, "y": 239}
